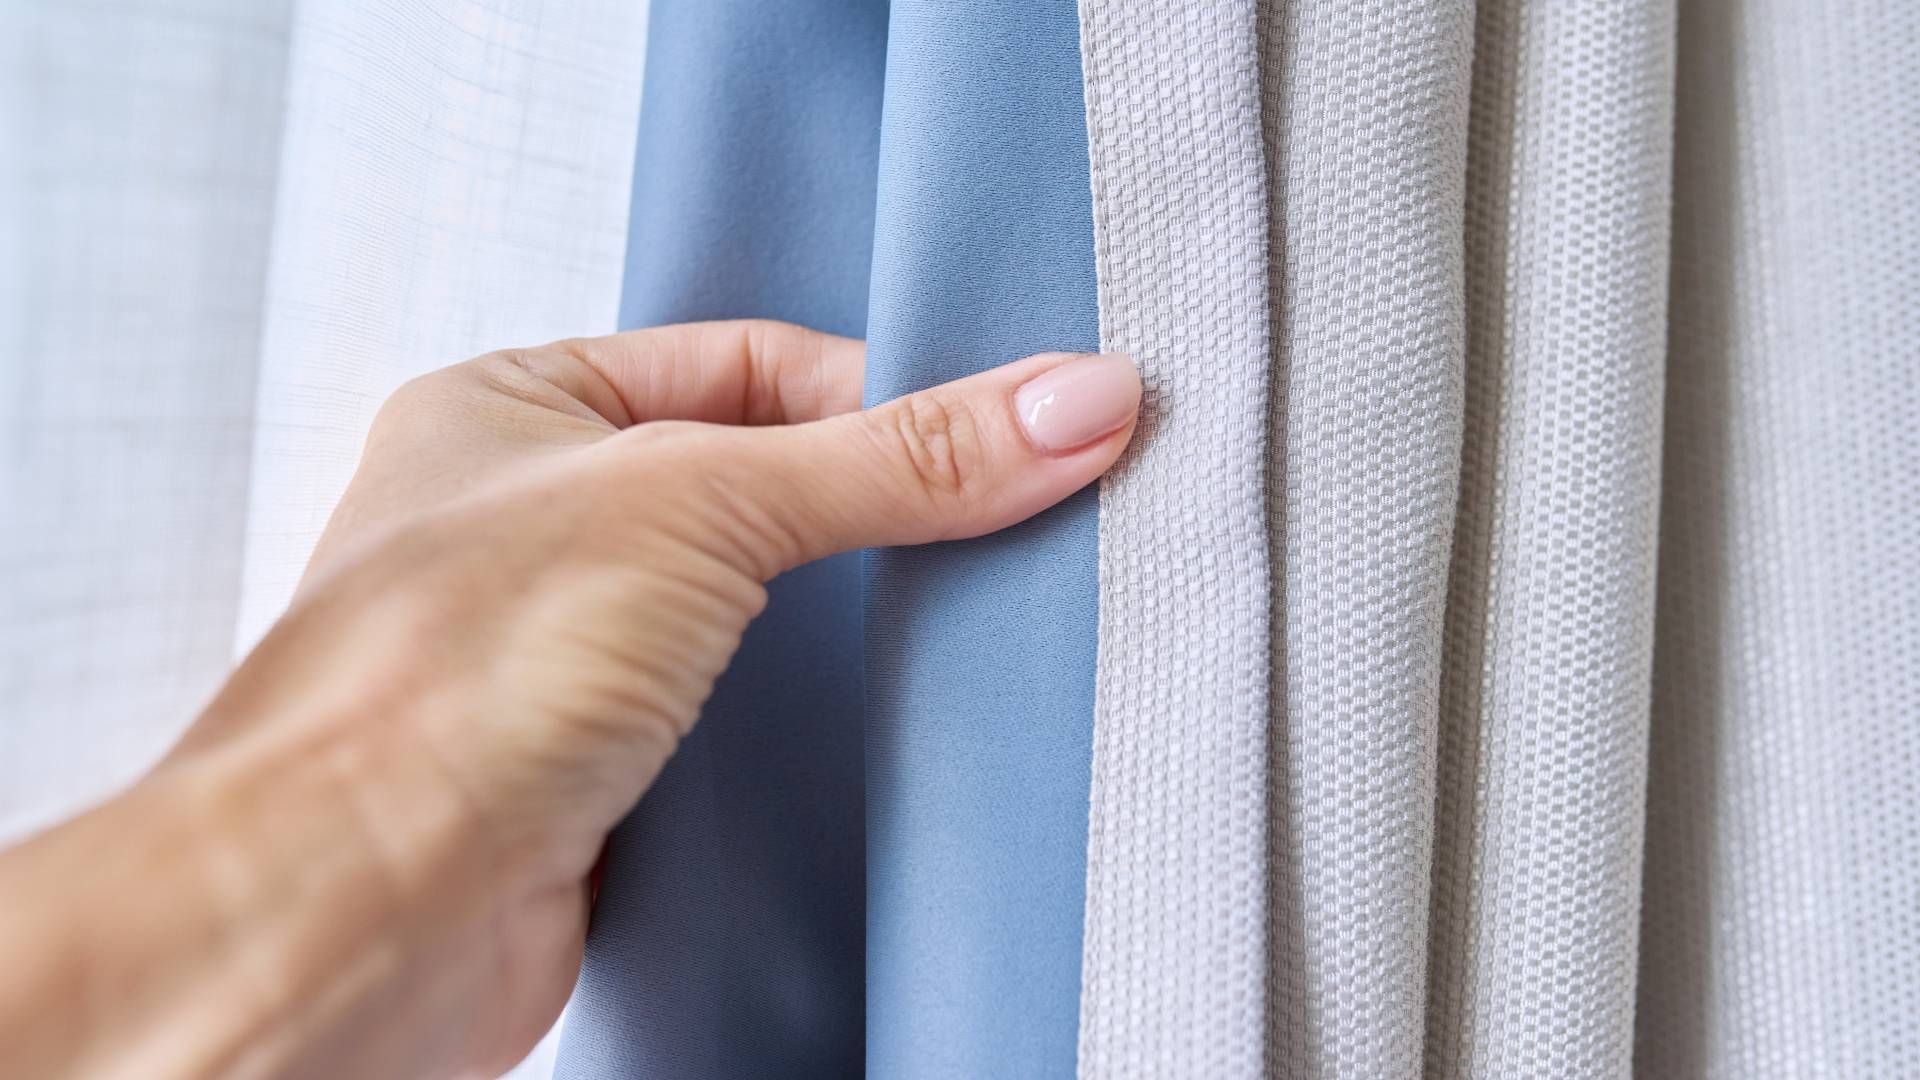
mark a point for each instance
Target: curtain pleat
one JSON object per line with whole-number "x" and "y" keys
{"x": 1549, "y": 634}
{"x": 1366, "y": 126}
{"x": 1176, "y": 836}
{"x": 980, "y": 654}
{"x": 1780, "y": 925}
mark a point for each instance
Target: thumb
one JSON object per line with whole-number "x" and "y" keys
{"x": 954, "y": 461}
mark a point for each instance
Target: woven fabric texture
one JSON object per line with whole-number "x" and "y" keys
{"x": 1366, "y": 129}
{"x": 1499, "y": 656}
{"x": 1531, "y": 813}
{"x": 137, "y": 163}
{"x": 1549, "y": 634}
{"x": 453, "y": 178}
{"x": 1780, "y": 929}
{"x": 1174, "y": 940}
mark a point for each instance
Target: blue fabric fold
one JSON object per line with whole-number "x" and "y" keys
{"x": 728, "y": 940}
{"x": 980, "y": 655}
{"x": 731, "y": 938}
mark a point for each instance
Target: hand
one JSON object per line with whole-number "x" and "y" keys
{"x": 546, "y": 557}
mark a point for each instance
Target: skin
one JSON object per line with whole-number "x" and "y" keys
{"x": 370, "y": 855}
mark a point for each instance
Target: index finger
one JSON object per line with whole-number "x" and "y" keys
{"x": 742, "y": 371}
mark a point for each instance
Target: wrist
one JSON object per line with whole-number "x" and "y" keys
{"x": 238, "y": 910}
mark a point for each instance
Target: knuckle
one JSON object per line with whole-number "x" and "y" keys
{"x": 782, "y": 366}
{"x": 418, "y": 396}
{"x": 938, "y": 437}
{"x": 505, "y": 369}
{"x": 524, "y": 375}
{"x": 660, "y": 436}
{"x": 584, "y": 351}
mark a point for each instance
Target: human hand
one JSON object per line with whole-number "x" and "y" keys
{"x": 514, "y": 615}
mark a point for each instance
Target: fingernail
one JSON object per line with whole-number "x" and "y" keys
{"x": 1079, "y": 401}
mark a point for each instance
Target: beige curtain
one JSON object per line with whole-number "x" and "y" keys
{"x": 1595, "y": 518}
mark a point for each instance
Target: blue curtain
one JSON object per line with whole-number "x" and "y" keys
{"x": 742, "y": 930}
{"x": 729, "y": 936}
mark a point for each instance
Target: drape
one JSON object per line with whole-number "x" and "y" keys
{"x": 735, "y": 944}
{"x": 1498, "y": 655}
{"x": 231, "y": 227}
{"x": 137, "y": 162}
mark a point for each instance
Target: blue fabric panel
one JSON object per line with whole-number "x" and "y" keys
{"x": 728, "y": 940}
{"x": 980, "y": 655}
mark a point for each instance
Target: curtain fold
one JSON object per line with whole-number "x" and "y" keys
{"x": 1365, "y": 111}
{"x": 980, "y": 654}
{"x": 729, "y": 935}
{"x": 1780, "y": 922}
{"x": 1176, "y": 853}
{"x": 1549, "y": 633}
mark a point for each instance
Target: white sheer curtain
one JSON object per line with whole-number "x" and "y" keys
{"x": 230, "y": 228}
{"x": 138, "y": 152}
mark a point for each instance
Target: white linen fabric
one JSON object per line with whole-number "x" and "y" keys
{"x": 232, "y": 229}
{"x": 137, "y": 162}
{"x": 455, "y": 178}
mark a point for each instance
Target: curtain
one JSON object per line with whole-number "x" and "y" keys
{"x": 1498, "y": 655}
{"x": 230, "y": 229}
{"x": 137, "y": 164}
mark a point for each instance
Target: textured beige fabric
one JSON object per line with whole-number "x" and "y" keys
{"x": 1587, "y": 299}
{"x": 1549, "y": 642}
{"x": 1366, "y": 122}
{"x": 1176, "y": 863}
{"x": 1781, "y": 922}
